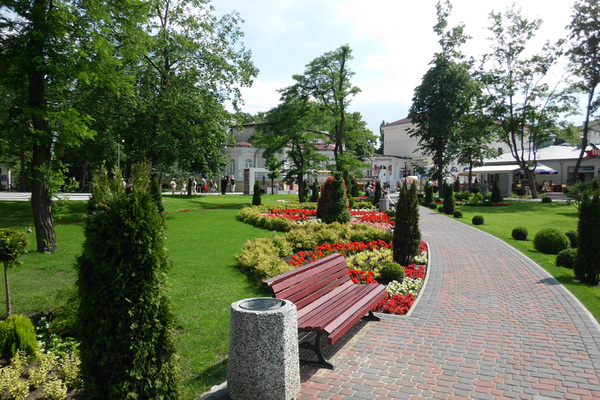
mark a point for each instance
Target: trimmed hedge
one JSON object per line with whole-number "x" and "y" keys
{"x": 477, "y": 220}
{"x": 519, "y": 233}
{"x": 550, "y": 241}
{"x": 566, "y": 258}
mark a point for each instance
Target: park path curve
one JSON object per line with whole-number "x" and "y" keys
{"x": 490, "y": 324}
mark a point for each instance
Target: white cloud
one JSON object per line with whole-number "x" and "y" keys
{"x": 262, "y": 96}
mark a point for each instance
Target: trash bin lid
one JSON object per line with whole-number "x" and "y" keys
{"x": 262, "y": 304}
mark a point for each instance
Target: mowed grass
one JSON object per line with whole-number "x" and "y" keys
{"x": 202, "y": 282}
{"x": 500, "y": 221}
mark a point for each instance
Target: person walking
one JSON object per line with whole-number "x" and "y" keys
{"x": 183, "y": 187}
{"x": 194, "y": 185}
{"x": 223, "y": 184}
{"x": 232, "y": 182}
{"x": 173, "y": 186}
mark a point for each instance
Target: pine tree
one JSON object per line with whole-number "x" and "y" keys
{"x": 496, "y": 194}
{"x": 337, "y": 209}
{"x": 449, "y": 200}
{"x": 314, "y": 197}
{"x": 428, "y": 195}
{"x": 587, "y": 267}
{"x": 456, "y": 185}
{"x": 256, "y": 201}
{"x": 407, "y": 235}
{"x": 127, "y": 348}
{"x": 377, "y": 195}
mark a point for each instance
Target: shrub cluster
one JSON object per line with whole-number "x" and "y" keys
{"x": 519, "y": 233}
{"x": 392, "y": 272}
{"x": 566, "y": 258}
{"x": 477, "y": 220}
{"x": 457, "y": 214}
{"x": 546, "y": 199}
{"x": 550, "y": 241}
{"x": 433, "y": 205}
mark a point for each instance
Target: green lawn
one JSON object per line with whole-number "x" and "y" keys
{"x": 500, "y": 221}
{"x": 204, "y": 282}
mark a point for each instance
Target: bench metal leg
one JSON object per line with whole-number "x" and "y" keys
{"x": 322, "y": 362}
{"x": 371, "y": 317}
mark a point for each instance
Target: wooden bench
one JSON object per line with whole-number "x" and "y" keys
{"x": 328, "y": 302}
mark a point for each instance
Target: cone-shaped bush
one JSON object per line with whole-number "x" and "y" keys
{"x": 428, "y": 195}
{"x": 157, "y": 194}
{"x": 325, "y": 198}
{"x": 456, "y": 185}
{"x": 354, "y": 191}
{"x": 314, "y": 197}
{"x": 337, "y": 209}
{"x": 449, "y": 200}
{"x": 587, "y": 267}
{"x": 407, "y": 235}
{"x": 496, "y": 194}
{"x": 127, "y": 348}
{"x": 256, "y": 201}
{"x": 377, "y": 195}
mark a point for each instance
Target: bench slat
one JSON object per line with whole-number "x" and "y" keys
{"x": 314, "y": 280}
{"x": 287, "y": 275}
{"x": 324, "y": 299}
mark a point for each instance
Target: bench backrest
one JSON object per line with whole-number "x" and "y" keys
{"x": 309, "y": 282}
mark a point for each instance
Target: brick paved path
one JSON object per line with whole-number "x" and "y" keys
{"x": 490, "y": 324}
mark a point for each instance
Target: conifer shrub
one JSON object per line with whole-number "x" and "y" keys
{"x": 157, "y": 194}
{"x": 567, "y": 258}
{"x": 550, "y": 241}
{"x": 477, "y": 220}
{"x": 17, "y": 334}
{"x": 337, "y": 209}
{"x": 496, "y": 194}
{"x": 407, "y": 235}
{"x": 456, "y": 186}
{"x": 392, "y": 272}
{"x": 256, "y": 200}
{"x": 457, "y": 214}
{"x": 354, "y": 191}
{"x": 325, "y": 198}
{"x": 314, "y": 197}
{"x": 573, "y": 238}
{"x": 448, "y": 200}
{"x": 428, "y": 195}
{"x": 126, "y": 344}
{"x": 587, "y": 268}
{"x": 440, "y": 208}
{"x": 519, "y": 233}
{"x": 520, "y": 191}
{"x": 433, "y": 205}
{"x": 377, "y": 195}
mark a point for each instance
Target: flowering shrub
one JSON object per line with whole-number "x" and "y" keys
{"x": 362, "y": 276}
{"x": 396, "y": 304}
{"x": 372, "y": 216}
{"x": 408, "y": 285}
{"x": 415, "y": 271}
{"x": 292, "y": 214}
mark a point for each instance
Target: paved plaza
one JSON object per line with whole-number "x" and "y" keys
{"x": 489, "y": 324}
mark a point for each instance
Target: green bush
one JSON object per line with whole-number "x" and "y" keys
{"x": 12, "y": 245}
{"x": 458, "y": 214}
{"x": 566, "y": 258}
{"x": 520, "y": 191}
{"x": 17, "y": 333}
{"x": 573, "y": 238}
{"x": 587, "y": 269}
{"x": 546, "y": 199}
{"x": 377, "y": 194}
{"x": 448, "y": 206}
{"x": 519, "y": 233}
{"x": 433, "y": 205}
{"x": 314, "y": 197}
{"x": 337, "y": 209}
{"x": 496, "y": 194}
{"x": 392, "y": 272}
{"x": 487, "y": 203}
{"x": 462, "y": 196}
{"x": 550, "y": 241}
{"x": 475, "y": 189}
{"x": 256, "y": 201}
{"x": 126, "y": 338}
{"x": 477, "y": 220}
{"x": 440, "y": 208}
{"x": 428, "y": 194}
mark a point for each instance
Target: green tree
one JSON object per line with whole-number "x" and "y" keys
{"x": 377, "y": 194}
{"x": 12, "y": 245}
{"x": 256, "y": 200}
{"x": 285, "y": 131}
{"x": 520, "y": 97}
{"x": 127, "y": 348}
{"x": 273, "y": 165}
{"x": 584, "y": 54}
{"x": 337, "y": 209}
{"x": 448, "y": 204}
{"x": 428, "y": 195}
{"x": 407, "y": 235}
{"x": 496, "y": 196}
{"x": 444, "y": 96}
{"x": 587, "y": 267}
{"x": 326, "y": 80}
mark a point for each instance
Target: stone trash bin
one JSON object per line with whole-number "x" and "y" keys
{"x": 384, "y": 203}
{"x": 263, "y": 350}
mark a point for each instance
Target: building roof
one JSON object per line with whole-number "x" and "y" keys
{"x": 399, "y": 122}
{"x": 243, "y": 144}
{"x": 560, "y": 152}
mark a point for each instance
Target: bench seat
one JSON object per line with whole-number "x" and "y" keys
{"x": 328, "y": 302}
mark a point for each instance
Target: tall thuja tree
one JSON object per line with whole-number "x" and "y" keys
{"x": 587, "y": 267}
{"x": 521, "y": 96}
{"x": 196, "y": 62}
{"x": 407, "y": 235}
{"x": 584, "y": 54}
{"x": 428, "y": 195}
{"x": 337, "y": 209}
{"x": 53, "y": 47}
{"x": 496, "y": 193}
{"x": 448, "y": 204}
{"x": 444, "y": 96}
{"x": 377, "y": 195}
{"x": 327, "y": 81}
{"x": 127, "y": 348}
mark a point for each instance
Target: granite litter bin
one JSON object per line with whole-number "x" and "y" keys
{"x": 263, "y": 350}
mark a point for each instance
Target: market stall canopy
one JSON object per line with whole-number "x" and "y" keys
{"x": 410, "y": 179}
{"x": 492, "y": 169}
{"x": 542, "y": 169}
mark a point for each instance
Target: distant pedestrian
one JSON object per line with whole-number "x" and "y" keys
{"x": 183, "y": 187}
{"x": 194, "y": 185}
{"x": 173, "y": 186}
{"x": 232, "y": 183}
{"x": 223, "y": 184}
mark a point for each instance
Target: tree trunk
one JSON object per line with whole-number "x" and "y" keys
{"x": 8, "y": 308}
{"x": 584, "y": 138}
{"x": 531, "y": 180}
{"x": 23, "y": 177}
{"x": 42, "y": 136}
{"x": 301, "y": 188}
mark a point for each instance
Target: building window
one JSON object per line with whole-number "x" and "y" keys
{"x": 231, "y": 170}
{"x": 248, "y": 163}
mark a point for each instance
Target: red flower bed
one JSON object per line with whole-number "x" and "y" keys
{"x": 372, "y": 216}
{"x": 397, "y": 304}
{"x": 307, "y": 256}
{"x": 362, "y": 276}
{"x": 292, "y": 214}
{"x": 414, "y": 271}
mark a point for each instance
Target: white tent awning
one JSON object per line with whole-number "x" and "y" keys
{"x": 494, "y": 169}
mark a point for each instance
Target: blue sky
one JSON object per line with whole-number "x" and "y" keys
{"x": 392, "y": 42}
